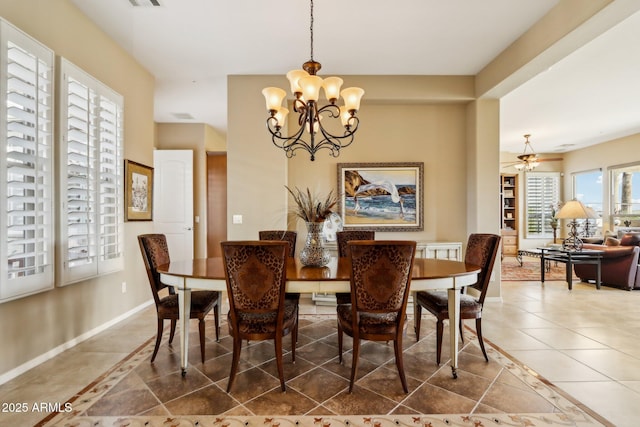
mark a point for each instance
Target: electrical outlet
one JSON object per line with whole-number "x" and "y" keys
{"x": 124, "y": 287}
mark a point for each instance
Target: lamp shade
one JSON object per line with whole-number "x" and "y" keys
{"x": 281, "y": 116}
{"x": 274, "y": 97}
{"x": 311, "y": 87}
{"x": 332, "y": 87}
{"x": 574, "y": 209}
{"x": 294, "y": 77}
{"x": 351, "y": 96}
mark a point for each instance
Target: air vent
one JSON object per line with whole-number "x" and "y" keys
{"x": 183, "y": 116}
{"x": 144, "y": 3}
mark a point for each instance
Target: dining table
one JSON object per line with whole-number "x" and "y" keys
{"x": 209, "y": 274}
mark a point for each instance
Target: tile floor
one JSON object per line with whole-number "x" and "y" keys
{"x": 583, "y": 341}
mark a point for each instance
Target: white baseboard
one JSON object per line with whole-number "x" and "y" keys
{"x": 9, "y": 375}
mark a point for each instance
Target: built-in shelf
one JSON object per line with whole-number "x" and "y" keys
{"x": 509, "y": 214}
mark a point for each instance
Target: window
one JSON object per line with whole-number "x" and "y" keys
{"x": 542, "y": 198}
{"x": 26, "y": 165}
{"x": 587, "y": 187}
{"x": 625, "y": 195}
{"x": 90, "y": 176}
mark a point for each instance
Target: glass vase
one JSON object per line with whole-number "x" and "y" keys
{"x": 314, "y": 254}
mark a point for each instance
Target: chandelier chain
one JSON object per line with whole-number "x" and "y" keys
{"x": 311, "y": 28}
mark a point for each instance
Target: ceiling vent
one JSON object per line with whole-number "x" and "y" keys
{"x": 144, "y": 3}
{"x": 183, "y": 116}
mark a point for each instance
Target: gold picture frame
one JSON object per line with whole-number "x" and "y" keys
{"x": 381, "y": 196}
{"x": 138, "y": 192}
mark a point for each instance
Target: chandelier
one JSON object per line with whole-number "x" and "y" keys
{"x": 528, "y": 161}
{"x": 312, "y": 134}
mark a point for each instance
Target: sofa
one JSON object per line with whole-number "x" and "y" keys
{"x": 619, "y": 262}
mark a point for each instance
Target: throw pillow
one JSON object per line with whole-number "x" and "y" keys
{"x": 612, "y": 241}
{"x": 630, "y": 239}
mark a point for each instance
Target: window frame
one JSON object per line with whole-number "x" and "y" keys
{"x": 588, "y": 228}
{"x": 548, "y": 205}
{"x": 36, "y": 152}
{"x": 98, "y": 223}
{"x": 617, "y": 219}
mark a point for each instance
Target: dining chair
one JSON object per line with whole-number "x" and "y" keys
{"x": 286, "y": 236}
{"x": 481, "y": 251}
{"x": 342, "y": 237}
{"x": 255, "y": 273}
{"x": 380, "y": 280}
{"x": 155, "y": 252}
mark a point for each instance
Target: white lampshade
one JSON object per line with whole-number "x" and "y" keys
{"x": 281, "y": 116}
{"x": 345, "y": 115}
{"x": 332, "y": 87}
{"x": 274, "y": 97}
{"x": 574, "y": 209}
{"x": 311, "y": 87}
{"x": 352, "y": 96}
{"x": 294, "y": 77}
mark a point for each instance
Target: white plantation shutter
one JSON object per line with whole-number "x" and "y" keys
{"x": 90, "y": 176}
{"x": 542, "y": 194}
{"x": 26, "y": 166}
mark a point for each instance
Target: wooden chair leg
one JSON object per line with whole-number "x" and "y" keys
{"x": 439, "y": 332}
{"x": 397, "y": 346}
{"x": 172, "y": 333}
{"x": 158, "y": 339}
{"x": 237, "y": 347}
{"x": 278, "y": 347}
{"x": 201, "y": 331}
{"x": 355, "y": 355}
{"x": 339, "y": 343}
{"x": 461, "y": 333}
{"x": 480, "y": 341}
{"x": 216, "y": 319}
{"x": 294, "y": 340}
{"x": 417, "y": 317}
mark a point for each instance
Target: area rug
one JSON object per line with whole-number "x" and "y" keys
{"x": 564, "y": 410}
{"x": 530, "y": 270}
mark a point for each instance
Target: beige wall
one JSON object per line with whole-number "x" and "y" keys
{"x": 437, "y": 122}
{"x": 200, "y": 138}
{"x": 37, "y": 324}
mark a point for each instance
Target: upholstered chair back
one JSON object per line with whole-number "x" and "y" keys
{"x": 342, "y": 237}
{"x": 155, "y": 252}
{"x": 481, "y": 251}
{"x": 284, "y": 235}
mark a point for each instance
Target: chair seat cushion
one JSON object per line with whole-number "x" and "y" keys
{"x": 201, "y": 303}
{"x": 370, "y": 323}
{"x": 438, "y": 302}
{"x": 265, "y": 323}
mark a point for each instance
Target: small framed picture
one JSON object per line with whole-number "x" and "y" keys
{"x": 138, "y": 192}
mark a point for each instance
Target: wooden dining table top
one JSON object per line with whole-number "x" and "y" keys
{"x": 338, "y": 269}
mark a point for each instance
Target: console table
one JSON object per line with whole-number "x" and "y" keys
{"x": 585, "y": 256}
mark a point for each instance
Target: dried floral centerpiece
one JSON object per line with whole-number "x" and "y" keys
{"x": 314, "y": 211}
{"x": 311, "y": 208}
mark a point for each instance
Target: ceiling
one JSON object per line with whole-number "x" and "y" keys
{"x": 191, "y": 46}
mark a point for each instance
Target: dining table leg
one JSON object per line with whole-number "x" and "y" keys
{"x": 454, "y": 321}
{"x": 184, "y": 305}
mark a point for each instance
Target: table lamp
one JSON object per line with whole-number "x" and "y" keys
{"x": 574, "y": 209}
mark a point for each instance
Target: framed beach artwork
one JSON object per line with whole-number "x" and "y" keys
{"x": 381, "y": 196}
{"x": 138, "y": 191}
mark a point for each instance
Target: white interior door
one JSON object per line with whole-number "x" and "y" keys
{"x": 173, "y": 200}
